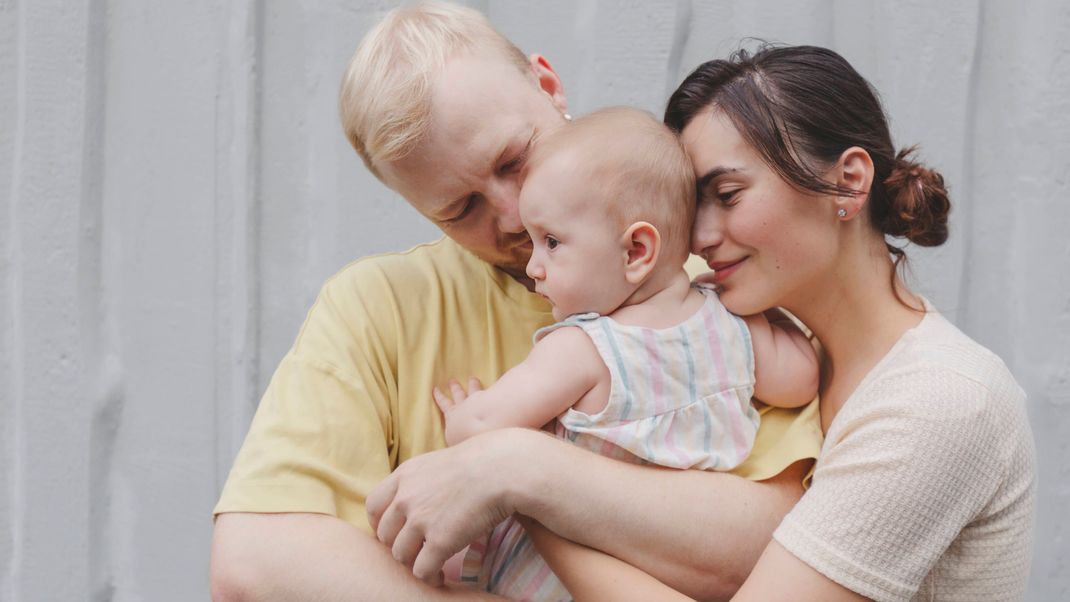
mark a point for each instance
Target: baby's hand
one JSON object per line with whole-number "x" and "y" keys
{"x": 446, "y": 404}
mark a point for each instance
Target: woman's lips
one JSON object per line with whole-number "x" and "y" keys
{"x": 724, "y": 269}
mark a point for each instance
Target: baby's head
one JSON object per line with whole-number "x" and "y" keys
{"x": 608, "y": 201}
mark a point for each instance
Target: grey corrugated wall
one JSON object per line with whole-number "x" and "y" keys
{"x": 174, "y": 188}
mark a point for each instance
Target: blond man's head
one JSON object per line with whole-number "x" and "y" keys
{"x": 385, "y": 99}
{"x": 635, "y": 168}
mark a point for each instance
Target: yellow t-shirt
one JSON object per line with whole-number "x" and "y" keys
{"x": 352, "y": 398}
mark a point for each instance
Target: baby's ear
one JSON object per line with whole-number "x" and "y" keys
{"x": 643, "y": 244}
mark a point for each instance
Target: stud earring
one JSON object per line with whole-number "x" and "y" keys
{"x": 567, "y": 117}
{"x": 842, "y": 213}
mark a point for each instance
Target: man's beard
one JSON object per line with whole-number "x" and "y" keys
{"x": 512, "y": 256}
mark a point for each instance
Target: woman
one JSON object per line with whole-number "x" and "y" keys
{"x": 925, "y": 486}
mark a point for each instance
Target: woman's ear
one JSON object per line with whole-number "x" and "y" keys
{"x": 853, "y": 171}
{"x": 548, "y": 81}
{"x": 642, "y": 244}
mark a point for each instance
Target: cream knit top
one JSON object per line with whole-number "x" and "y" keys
{"x": 924, "y": 489}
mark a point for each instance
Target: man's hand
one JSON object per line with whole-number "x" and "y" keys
{"x": 435, "y": 504}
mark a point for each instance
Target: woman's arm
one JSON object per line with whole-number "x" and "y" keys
{"x": 699, "y": 532}
{"x": 590, "y": 575}
{"x": 779, "y": 575}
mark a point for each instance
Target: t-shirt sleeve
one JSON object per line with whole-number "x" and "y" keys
{"x": 901, "y": 479}
{"x": 321, "y": 438}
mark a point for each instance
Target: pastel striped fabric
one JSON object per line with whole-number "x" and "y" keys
{"x": 679, "y": 397}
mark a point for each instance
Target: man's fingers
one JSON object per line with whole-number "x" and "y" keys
{"x": 379, "y": 499}
{"x": 444, "y": 403}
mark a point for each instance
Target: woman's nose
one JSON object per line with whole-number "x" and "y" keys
{"x": 707, "y": 233}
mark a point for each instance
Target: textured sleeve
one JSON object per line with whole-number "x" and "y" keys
{"x": 898, "y": 480}
{"x": 321, "y": 438}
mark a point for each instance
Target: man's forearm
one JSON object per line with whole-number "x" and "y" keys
{"x": 700, "y": 532}
{"x": 267, "y": 557}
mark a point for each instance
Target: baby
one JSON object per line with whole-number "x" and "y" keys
{"x": 643, "y": 365}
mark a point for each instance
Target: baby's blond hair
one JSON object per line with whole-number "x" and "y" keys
{"x": 385, "y": 100}
{"x": 636, "y": 167}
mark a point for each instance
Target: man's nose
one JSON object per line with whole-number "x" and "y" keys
{"x": 504, "y": 197}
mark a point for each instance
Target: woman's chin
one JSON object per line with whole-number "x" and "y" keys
{"x": 739, "y": 303}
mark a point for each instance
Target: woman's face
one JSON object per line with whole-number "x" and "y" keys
{"x": 768, "y": 243}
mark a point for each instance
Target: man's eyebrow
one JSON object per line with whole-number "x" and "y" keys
{"x": 713, "y": 174}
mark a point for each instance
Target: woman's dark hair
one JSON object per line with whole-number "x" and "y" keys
{"x": 800, "y": 107}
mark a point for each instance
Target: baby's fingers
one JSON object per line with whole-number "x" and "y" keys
{"x": 474, "y": 385}
{"x": 443, "y": 401}
{"x": 458, "y": 393}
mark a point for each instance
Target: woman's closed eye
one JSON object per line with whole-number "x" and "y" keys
{"x": 513, "y": 165}
{"x": 728, "y": 197}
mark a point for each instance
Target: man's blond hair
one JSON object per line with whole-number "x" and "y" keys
{"x": 385, "y": 100}
{"x": 635, "y": 166}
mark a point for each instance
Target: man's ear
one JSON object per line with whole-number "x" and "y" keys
{"x": 548, "y": 81}
{"x": 854, "y": 171}
{"x": 642, "y": 246}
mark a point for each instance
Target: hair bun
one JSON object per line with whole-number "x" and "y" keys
{"x": 918, "y": 202}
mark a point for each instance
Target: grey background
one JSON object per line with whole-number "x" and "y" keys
{"x": 174, "y": 187}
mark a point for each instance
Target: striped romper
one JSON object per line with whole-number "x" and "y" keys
{"x": 679, "y": 397}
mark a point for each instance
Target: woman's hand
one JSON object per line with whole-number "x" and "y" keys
{"x": 437, "y": 503}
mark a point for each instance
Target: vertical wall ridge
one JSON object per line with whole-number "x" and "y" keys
{"x": 101, "y": 375}
{"x": 965, "y": 194}
{"x": 14, "y": 432}
{"x": 237, "y": 189}
{"x": 680, "y": 38}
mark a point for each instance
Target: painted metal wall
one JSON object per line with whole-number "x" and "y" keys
{"x": 174, "y": 188}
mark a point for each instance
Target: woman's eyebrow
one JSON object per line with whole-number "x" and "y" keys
{"x": 509, "y": 143}
{"x": 713, "y": 174}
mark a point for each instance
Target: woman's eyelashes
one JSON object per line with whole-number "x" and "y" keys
{"x": 728, "y": 197}
{"x": 513, "y": 165}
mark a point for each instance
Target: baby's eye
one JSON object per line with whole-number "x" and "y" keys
{"x": 551, "y": 243}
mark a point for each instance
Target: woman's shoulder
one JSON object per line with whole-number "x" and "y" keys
{"x": 937, "y": 373}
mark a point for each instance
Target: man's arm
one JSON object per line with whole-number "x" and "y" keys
{"x": 699, "y": 532}
{"x": 561, "y": 369}
{"x": 294, "y": 556}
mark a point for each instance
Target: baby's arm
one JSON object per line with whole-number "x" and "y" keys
{"x": 785, "y": 363}
{"x": 560, "y": 369}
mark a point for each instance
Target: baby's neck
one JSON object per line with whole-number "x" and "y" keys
{"x": 662, "y": 301}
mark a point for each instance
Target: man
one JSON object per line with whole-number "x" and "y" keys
{"x": 444, "y": 110}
